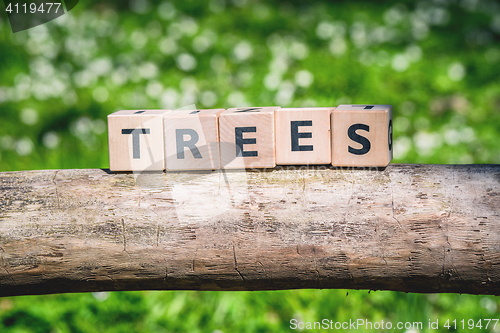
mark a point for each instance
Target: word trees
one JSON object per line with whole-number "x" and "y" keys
{"x": 252, "y": 137}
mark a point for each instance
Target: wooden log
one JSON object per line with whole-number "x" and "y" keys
{"x": 412, "y": 228}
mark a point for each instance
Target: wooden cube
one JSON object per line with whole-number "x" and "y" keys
{"x": 136, "y": 140}
{"x": 247, "y": 137}
{"x": 362, "y": 135}
{"x": 303, "y": 136}
{"x": 192, "y": 139}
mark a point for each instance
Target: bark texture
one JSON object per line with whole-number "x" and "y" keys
{"x": 412, "y": 228}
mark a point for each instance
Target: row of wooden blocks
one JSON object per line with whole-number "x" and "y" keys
{"x": 257, "y": 137}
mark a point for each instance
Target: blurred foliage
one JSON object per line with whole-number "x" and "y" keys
{"x": 437, "y": 62}
{"x": 265, "y": 311}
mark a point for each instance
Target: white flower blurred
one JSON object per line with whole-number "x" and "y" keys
{"x": 243, "y": 51}
{"x": 304, "y": 78}
{"x": 51, "y": 140}
{"x": 29, "y": 116}
{"x": 186, "y": 62}
{"x": 100, "y": 94}
{"x": 24, "y": 146}
{"x": 456, "y": 71}
{"x": 400, "y": 63}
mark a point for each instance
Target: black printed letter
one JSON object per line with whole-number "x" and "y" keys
{"x": 238, "y": 134}
{"x": 191, "y": 144}
{"x": 296, "y": 135}
{"x": 351, "y": 132}
{"x": 136, "y": 145}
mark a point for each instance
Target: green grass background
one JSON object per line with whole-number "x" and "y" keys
{"x": 437, "y": 62}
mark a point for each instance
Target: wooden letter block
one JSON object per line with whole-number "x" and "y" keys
{"x": 362, "y": 135}
{"x": 247, "y": 138}
{"x": 192, "y": 140}
{"x": 303, "y": 136}
{"x": 136, "y": 140}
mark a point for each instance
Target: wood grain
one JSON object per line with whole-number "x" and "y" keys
{"x": 146, "y": 126}
{"x": 257, "y": 125}
{"x": 203, "y": 123}
{"x": 373, "y": 123}
{"x": 312, "y": 145}
{"x": 412, "y": 228}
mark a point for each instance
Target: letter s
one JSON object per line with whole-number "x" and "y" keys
{"x": 351, "y": 132}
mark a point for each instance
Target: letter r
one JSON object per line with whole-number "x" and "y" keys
{"x": 191, "y": 143}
